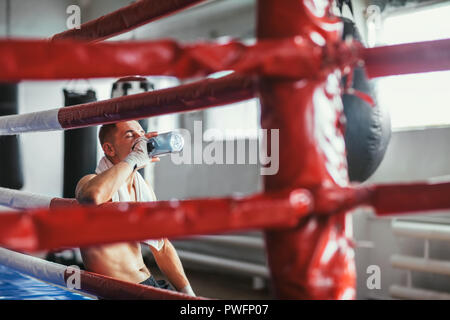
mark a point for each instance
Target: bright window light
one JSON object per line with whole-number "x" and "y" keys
{"x": 235, "y": 121}
{"x": 416, "y": 100}
{"x": 239, "y": 120}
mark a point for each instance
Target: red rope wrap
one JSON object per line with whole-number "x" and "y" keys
{"x": 125, "y": 19}
{"x": 110, "y": 288}
{"x": 408, "y": 58}
{"x": 410, "y": 197}
{"x": 189, "y": 97}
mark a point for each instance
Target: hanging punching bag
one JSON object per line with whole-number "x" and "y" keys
{"x": 80, "y": 146}
{"x": 132, "y": 85}
{"x": 368, "y": 128}
{"x": 11, "y": 175}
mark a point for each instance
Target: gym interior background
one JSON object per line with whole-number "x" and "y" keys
{"x": 233, "y": 265}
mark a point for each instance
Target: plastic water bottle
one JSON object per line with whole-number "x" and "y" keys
{"x": 165, "y": 143}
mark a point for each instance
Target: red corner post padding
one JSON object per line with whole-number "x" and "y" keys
{"x": 313, "y": 260}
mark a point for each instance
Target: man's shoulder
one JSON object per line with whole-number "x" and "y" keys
{"x": 83, "y": 181}
{"x": 88, "y": 177}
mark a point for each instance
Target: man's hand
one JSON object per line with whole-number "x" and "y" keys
{"x": 188, "y": 290}
{"x": 138, "y": 158}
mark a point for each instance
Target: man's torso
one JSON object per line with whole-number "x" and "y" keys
{"x": 119, "y": 260}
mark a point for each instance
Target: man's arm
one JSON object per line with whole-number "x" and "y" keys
{"x": 98, "y": 189}
{"x": 169, "y": 263}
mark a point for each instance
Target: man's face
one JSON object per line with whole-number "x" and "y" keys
{"x": 123, "y": 140}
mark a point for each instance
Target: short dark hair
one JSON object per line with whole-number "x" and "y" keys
{"x": 106, "y": 132}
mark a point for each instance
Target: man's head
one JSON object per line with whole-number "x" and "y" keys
{"x": 117, "y": 139}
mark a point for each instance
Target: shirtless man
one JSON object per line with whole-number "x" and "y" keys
{"x": 124, "y": 145}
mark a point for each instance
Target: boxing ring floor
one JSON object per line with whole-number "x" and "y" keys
{"x": 16, "y": 286}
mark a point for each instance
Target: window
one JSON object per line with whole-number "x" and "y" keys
{"x": 235, "y": 121}
{"x": 416, "y": 100}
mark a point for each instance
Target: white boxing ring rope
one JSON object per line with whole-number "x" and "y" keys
{"x": 33, "y": 266}
{"x": 16, "y": 199}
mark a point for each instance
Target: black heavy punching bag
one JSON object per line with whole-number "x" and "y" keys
{"x": 11, "y": 175}
{"x": 368, "y": 128}
{"x": 80, "y": 146}
{"x": 132, "y": 85}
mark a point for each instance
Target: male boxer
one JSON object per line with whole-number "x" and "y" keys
{"x": 117, "y": 179}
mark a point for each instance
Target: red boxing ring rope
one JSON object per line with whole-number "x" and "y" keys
{"x": 125, "y": 19}
{"x": 424, "y": 56}
{"x": 188, "y": 97}
{"x": 43, "y": 60}
{"x": 49, "y": 229}
{"x": 288, "y": 58}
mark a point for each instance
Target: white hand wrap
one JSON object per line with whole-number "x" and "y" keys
{"x": 188, "y": 290}
{"x": 138, "y": 157}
